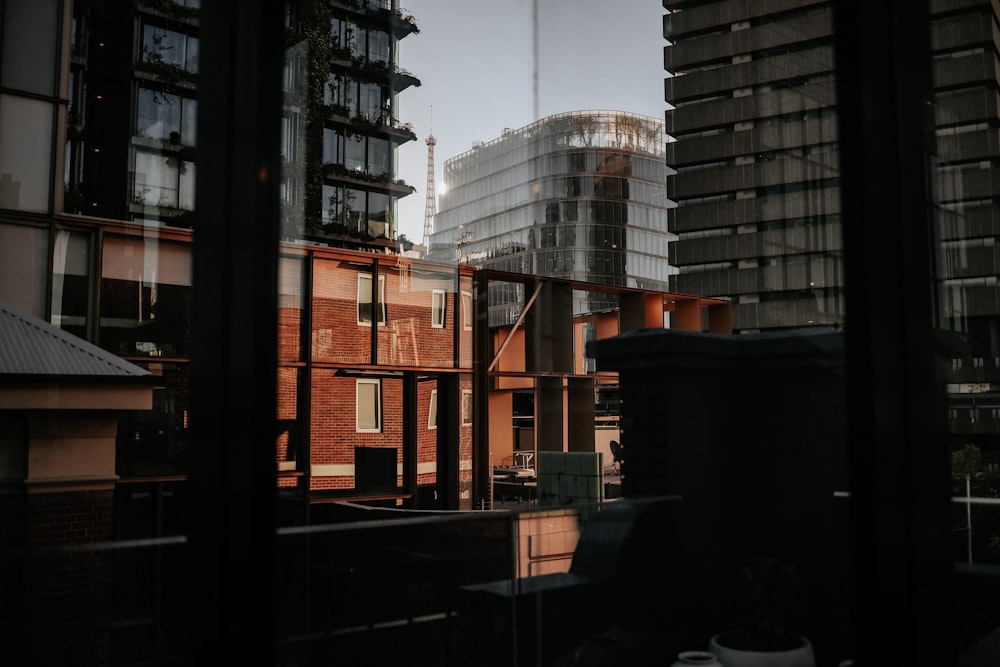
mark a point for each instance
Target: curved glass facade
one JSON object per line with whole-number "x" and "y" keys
{"x": 578, "y": 195}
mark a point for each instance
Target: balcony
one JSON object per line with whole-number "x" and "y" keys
{"x": 338, "y": 172}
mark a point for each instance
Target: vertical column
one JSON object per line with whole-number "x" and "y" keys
{"x": 580, "y": 413}
{"x": 899, "y": 467}
{"x": 549, "y": 414}
{"x": 234, "y": 355}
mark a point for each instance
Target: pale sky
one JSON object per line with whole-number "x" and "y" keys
{"x": 474, "y": 60}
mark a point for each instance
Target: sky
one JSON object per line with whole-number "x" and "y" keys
{"x": 474, "y": 61}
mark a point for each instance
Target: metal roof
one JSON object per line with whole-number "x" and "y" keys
{"x": 32, "y": 347}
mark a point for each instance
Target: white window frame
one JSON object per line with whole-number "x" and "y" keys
{"x": 432, "y": 409}
{"x": 365, "y": 294}
{"x": 439, "y": 303}
{"x": 377, "y": 428}
{"x": 467, "y": 310}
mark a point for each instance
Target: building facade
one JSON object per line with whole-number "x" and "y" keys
{"x": 576, "y": 195}
{"x": 753, "y": 116}
{"x": 756, "y": 178}
{"x": 341, "y": 127}
{"x": 99, "y": 160}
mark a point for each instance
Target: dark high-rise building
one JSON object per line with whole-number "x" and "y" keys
{"x": 756, "y": 182}
{"x": 132, "y": 119}
{"x": 753, "y": 115}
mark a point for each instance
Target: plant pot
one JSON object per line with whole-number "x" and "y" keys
{"x": 739, "y": 649}
{"x": 692, "y": 658}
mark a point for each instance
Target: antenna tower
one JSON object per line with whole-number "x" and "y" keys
{"x": 430, "y": 207}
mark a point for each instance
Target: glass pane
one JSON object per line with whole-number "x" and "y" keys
{"x": 145, "y": 297}
{"x": 337, "y": 334}
{"x": 694, "y": 173}
{"x": 25, "y": 154}
{"x": 157, "y": 179}
{"x": 968, "y": 309}
{"x": 24, "y": 262}
{"x": 368, "y": 405}
{"x": 71, "y": 281}
{"x": 290, "y": 308}
{"x": 157, "y": 441}
{"x": 411, "y": 337}
{"x": 159, "y": 115}
{"x": 30, "y": 34}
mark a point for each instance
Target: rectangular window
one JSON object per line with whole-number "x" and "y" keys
{"x": 365, "y": 300}
{"x": 379, "y": 214}
{"x": 333, "y": 146}
{"x": 162, "y": 180}
{"x": 438, "y": 301}
{"x": 467, "y": 311}
{"x": 355, "y": 209}
{"x": 166, "y": 117}
{"x": 432, "y": 410}
{"x": 169, "y": 49}
{"x": 466, "y": 407}
{"x": 369, "y": 405}
{"x": 354, "y": 153}
{"x": 25, "y": 153}
{"x": 379, "y": 152}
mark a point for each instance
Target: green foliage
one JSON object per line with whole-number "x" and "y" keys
{"x": 966, "y": 461}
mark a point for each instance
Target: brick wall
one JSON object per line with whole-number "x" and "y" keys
{"x": 407, "y": 338}
{"x": 64, "y": 595}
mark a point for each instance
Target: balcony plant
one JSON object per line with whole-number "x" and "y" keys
{"x": 769, "y": 596}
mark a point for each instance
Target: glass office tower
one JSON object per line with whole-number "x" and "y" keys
{"x": 576, "y": 195}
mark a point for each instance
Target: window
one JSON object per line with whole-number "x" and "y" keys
{"x": 438, "y": 301}
{"x": 365, "y": 299}
{"x": 175, "y": 50}
{"x": 25, "y": 153}
{"x": 369, "y": 405}
{"x": 432, "y": 410}
{"x": 467, "y": 311}
{"x": 162, "y": 180}
{"x": 166, "y": 117}
{"x": 466, "y": 407}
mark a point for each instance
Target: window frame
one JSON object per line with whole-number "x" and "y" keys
{"x": 466, "y": 310}
{"x": 466, "y": 407}
{"x": 381, "y": 300}
{"x": 438, "y": 310}
{"x": 377, "y": 411}
{"x": 432, "y": 422}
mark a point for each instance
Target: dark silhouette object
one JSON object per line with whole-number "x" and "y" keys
{"x": 617, "y": 454}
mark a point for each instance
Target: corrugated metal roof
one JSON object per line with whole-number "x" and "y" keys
{"x": 30, "y": 346}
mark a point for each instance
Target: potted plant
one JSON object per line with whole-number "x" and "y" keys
{"x": 769, "y": 596}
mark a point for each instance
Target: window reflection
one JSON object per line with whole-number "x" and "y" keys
{"x": 145, "y": 297}
{"x": 757, "y": 220}
{"x": 71, "y": 280}
{"x": 24, "y": 253}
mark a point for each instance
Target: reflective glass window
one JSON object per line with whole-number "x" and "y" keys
{"x": 166, "y": 117}
{"x": 25, "y": 153}
{"x": 24, "y": 264}
{"x": 163, "y": 180}
{"x": 71, "y": 281}
{"x": 30, "y": 33}
{"x": 169, "y": 49}
{"x": 145, "y": 297}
